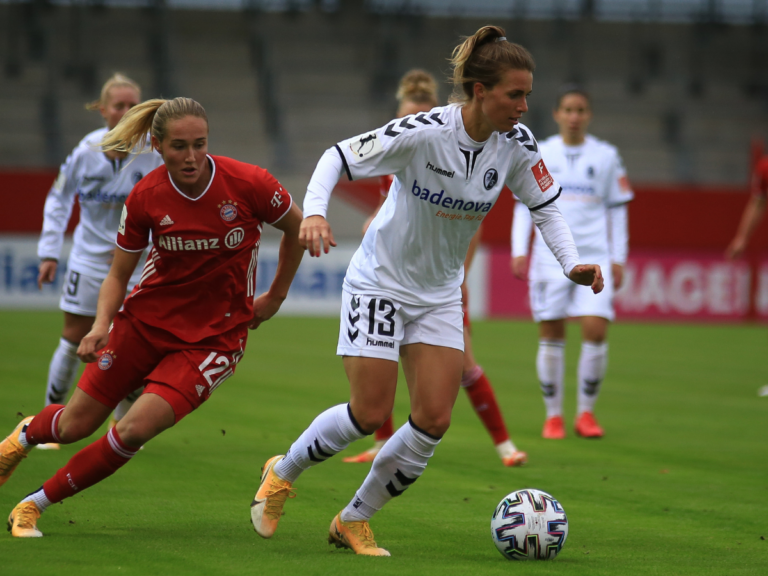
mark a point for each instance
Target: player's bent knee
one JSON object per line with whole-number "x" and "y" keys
{"x": 434, "y": 425}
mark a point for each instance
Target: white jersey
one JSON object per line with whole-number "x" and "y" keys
{"x": 101, "y": 185}
{"x": 444, "y": 186}
{"x": 593, "y": 181}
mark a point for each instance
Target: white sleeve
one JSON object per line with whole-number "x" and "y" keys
{"x": 323, "y": 180}
{"x": 57, "y": 211}
{"x": 557, "y": 236}
{"x": 522, "y": 225}
{"x": 618, "y": 233}
{"x": 528, "y": 177}
{"x": 619, "y": 189}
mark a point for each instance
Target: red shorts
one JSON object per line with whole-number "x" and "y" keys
{"x": 181, "y": 373}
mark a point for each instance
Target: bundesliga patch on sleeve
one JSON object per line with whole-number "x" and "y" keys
{"x": 365, "y": 146}
{"x": 543, "y": 177}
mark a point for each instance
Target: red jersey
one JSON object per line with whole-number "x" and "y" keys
{"x": 200, "y": 276}
{"x": 760, "y": 177}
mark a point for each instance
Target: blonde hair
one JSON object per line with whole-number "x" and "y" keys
{"x": 483, "y": 57}
{"x": 150, "y": 117}
{"x": 117, "y": 80}
{"x": 417, "y": 86}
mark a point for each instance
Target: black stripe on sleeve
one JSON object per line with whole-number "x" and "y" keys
{"x": 344, "y": 161}
{"x": 548, "y": 202}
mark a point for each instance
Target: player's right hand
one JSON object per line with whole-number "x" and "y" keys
{"x": 736, "y": 248}
{"x": 94, "y": 341}
{"x": 520, "y": 267}
{"x": 47, "y": 273}
{"x": 315, "y": 234}
{"x": 588, "y": 275}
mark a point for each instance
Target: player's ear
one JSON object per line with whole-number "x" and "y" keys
{"x": 479, "y": 91}
{"x": 156, "y": 144}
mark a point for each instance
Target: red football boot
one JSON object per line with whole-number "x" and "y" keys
{"x": 554, "y": 428}
{"x": 587, "y": 426}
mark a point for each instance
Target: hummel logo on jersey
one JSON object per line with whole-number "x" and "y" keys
{"x": 440, "y": 171}
{"x": 166, "y": 221}
{"x": 380, "y": 343}
{"x": 177, "y": 243}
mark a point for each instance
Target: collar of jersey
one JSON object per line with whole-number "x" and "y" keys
{"x": 463, "y": 139}
{"x": 213, "y": 175}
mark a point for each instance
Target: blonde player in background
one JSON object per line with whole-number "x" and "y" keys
{"x": 594, "y": 204}
{"x": 101, "y": 182}
{"x": 416, "y": 94}
{"x": 401, "y": 297}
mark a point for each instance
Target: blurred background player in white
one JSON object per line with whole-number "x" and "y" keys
{"x": 418, "y": 93}
{"x": 754, "y": 210}
{"x": 594, "y": 204}
{"x": 401, "y": 298}
{"x": 101, "y": 181}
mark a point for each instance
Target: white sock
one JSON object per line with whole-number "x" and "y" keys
{"x": 61, "y": 372}
{"x": 398, "y": 465}
{"x": 592, "y": 366}
{"x": 39, "y": 498}
{"x": 23, "y": 437}
{"x": 329, "y": 434}
{"x": 550, "y": 367}
{"x": 506, "y": 449}
{"x": 122, "y": 408}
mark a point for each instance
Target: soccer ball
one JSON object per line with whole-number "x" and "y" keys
{"x": 529, "y": 525}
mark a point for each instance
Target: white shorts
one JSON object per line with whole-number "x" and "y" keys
{"x": 80, "y": 293}
{"x": 375, "y": 326}
{"x": 561, "y": 298}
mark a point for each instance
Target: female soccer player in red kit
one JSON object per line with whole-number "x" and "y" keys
{"x": 183, "y": 329}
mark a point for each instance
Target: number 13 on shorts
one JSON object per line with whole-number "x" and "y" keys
{"x": 370, "y": 326}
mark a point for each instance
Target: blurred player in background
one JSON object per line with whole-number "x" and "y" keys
{"x": 417, "y": 93}
{"x": 594, "y": 204}
{"x": 184, "y": 328}
{"x": 754, "y": 211}
{"x": 402, "y": 291}
{"x": 101, "y": 181}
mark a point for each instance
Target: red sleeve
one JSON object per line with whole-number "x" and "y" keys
{"x": 135, "y": 225}
{"x": 271, "y": 199}
{"x": 760, "y": 178}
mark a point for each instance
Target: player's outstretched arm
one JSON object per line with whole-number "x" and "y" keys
{"x": 751, "y": 217}
{"x": 291, "y": 252}
{"x": 588, "y": 275}
{"x": 316, "y": 235}
{"x": 111, "y": 297}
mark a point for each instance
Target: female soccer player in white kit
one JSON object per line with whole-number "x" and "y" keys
{"x": 418, "y": 93}
{"x": 401, "y": 294}
{"x": 101, "y": 182}
{"x": 594, "y": 204}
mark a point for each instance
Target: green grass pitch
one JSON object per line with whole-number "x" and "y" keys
{"x": 679, "y": 485}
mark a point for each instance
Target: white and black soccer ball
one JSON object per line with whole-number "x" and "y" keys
{"x": 529, "y": 525}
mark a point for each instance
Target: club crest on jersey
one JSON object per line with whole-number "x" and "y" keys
{"x": 234, "y": 237}
{"x": 136, "y": 177}
{"x": 490, "y": 178}
{"x": 366, "y": 145}
{"x": 106, "y": 359}
{"x": 228, "y": 210}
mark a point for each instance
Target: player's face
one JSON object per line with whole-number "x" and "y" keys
{"x": 407, "y": 107}
{"x": 573, "y": 115}
{"x": 120, "y": 99}
{"x": 507, "y": 101}
{"x": 184, "y": 150}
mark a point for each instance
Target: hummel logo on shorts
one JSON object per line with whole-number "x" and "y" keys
{"x": 166, "y": 221}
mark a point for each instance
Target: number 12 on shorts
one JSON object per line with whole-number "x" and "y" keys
{"x": 221, "y": 370}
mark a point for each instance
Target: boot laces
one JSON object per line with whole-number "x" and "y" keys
{"x": 27, "y": 516}
{"x": 363, "y": 531}
{"x": 276, "y": 496}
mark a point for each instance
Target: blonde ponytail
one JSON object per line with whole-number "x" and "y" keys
{"x": 150, "y": 117}
{"x": 483, "y": 57}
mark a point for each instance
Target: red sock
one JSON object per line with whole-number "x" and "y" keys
{"x": 89, "y": 466}
{"x": 386, "y": 430}
{"x": 483, "y": 400}
{"x": 44, "y": 427}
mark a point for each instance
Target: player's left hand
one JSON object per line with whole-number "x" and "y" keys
{"x": 588, "y": 275}
{"x": 264, "y": 307}
{"x": 617, "y": 271}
